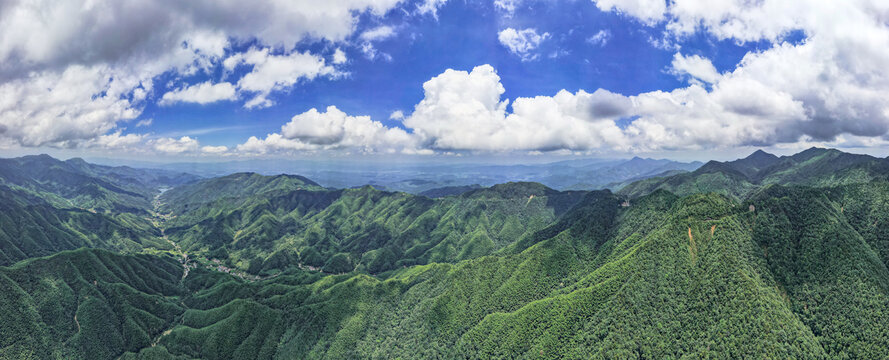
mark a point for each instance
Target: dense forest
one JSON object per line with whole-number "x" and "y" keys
{"x": 762, "y": 257}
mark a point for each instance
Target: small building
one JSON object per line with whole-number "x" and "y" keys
{"x": 626, "y": 203}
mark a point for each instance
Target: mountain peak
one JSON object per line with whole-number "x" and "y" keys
{"x": 759, "y": 154}
{"x": 76, "y": 160}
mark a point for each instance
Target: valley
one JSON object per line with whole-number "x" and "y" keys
{"x": 760, "y": 257}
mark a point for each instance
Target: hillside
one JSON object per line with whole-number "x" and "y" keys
{"x": 235, "y": 187}
{"x": 740, "y": 178}
{"x": 667, "y": 277}
{"x": 448, "y": 191}
{"x": 48, "y": 205}
{"x": 75, "y": 183}
{"x": 367, "y": 229}
{"x": 30, "y": 227}
{"x": 791, "y": 263}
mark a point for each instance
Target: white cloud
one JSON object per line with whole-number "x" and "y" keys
{"x": 522, "y": 42}
{"x": 600, "y": 38}
{"x": 146, "y": 122}
{"x": 695, "y": 66}
{"x": 65, "y": 81}
{"x": 647, "y": 11}
{"x": 459, "y": 100}
{"x": 464, "y": 111}
{"x": 203, "y": 93}
{"x": 378, "y": 33}
{"x": 339, "y": 57}
{"x": 508, "y": 7}
{"x": 214, "y": 149}
{"x": 371, "y": 53}
{"x": 176, "y": 146}
{"x": 39, "y": 111}
{"x": 397, "y": 115}
{"x": 48, "y": 34}
{"x": 430, "y": 7}
{"x": 333, "y": 130}
{"x": 116, "y": 141}
{"x": 276, "y": 72}
{"x": 832, "y": 83}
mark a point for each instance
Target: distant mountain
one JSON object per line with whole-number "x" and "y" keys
{"x": 75, "y": 183}
{"x": 415, "y": 177}
{"x": 48, "y": 205}
{"x": 701, "y": 275}
{"x": 599, "y": 177}
{"x": 449, "y": 191}
{"x": 374, "y": 230}
{"x": 740, "y": 178}
{"x": 762, "y": 257}
{"x": 234, "y": 186}
{"x": 30, "y": 227}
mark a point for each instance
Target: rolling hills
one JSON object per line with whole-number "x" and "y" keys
{"x": 815, "y": 167}
{"x": 763, "y": 257}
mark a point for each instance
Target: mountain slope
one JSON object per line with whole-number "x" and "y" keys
{"x": 236, "y": 186}
{"x": 740, "y": 178}
{"x": 668, "y": 277}
{"x": 31, "y": 227}
{"x": 75, "y": 183}
{"x": 86, "y": 304}
{"x": 366, "y": 228}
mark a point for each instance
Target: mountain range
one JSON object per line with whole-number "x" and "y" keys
{"x": 416, "y": 177}
{"x": 761, "y": 257}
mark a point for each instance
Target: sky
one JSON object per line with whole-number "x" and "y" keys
{"x": 204, "y": 80}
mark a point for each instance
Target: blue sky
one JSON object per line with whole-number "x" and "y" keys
{"x": 463, "y": 36}
{"x": 572, "y": 77}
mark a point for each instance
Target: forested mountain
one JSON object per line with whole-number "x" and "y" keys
{"x": 813, "y": 167}
{"x": 75, "y": 183}
{"x": 232, "y": 187}
{"x": 449, "y": 191}
{"x": 417, "y": 177}
{"x": 364, "y": 228}
{"x": 48, "y": 205}
{"x": 780, "y": 257}
{"x": 29, "y": 227}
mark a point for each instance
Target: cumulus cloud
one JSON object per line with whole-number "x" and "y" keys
{"x": 64, "y": 81}
{"x": 214, "y": 149}
{"x": 276, "y": 72}
{"x": 203, "y": 93}
{"x": 376, "y": 34}
{"x": 832, "y": 83}
{"x": 696, "y": 67}
{"x": 647, "y": 11}
{"x": 339, "y": 57}
{"x": 522, "y": 42}
{"x": 396, "y": 115}
{"x": 39, "y": 110}
{"x": 46, "y": 35}
{"x": 464, "y": 111}
{"x": 333, "y": 130}
{"x": 176, "y": 146}
{"x": 116, "y": 141}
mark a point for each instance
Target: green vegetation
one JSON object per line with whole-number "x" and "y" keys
{"x": 30, "y": 227}
{"x": 375, "y": 230}
{"x": 765, "y": 257}
{"x": 740, "y": 178}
